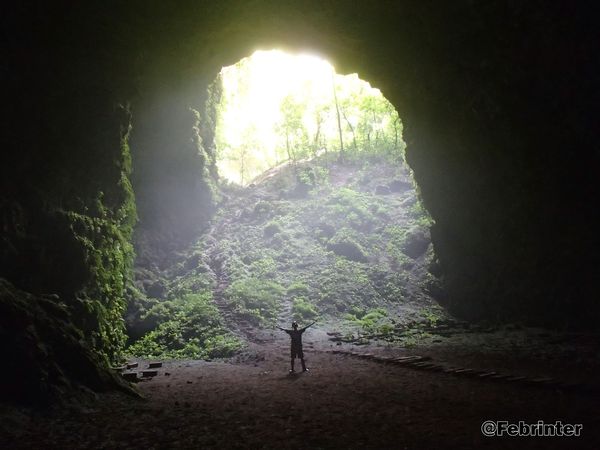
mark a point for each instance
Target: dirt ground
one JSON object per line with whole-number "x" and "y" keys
{"x": 342, "y": 402}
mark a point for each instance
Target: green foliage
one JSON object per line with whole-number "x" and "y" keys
{"x": 303, "y": 310}
{"x": 190, "y": 283}
{"x": 420, "y": 215}
{"x": 263, "y": 268}
{"x": 373, "y": 320}
{"x": 189, "y": 327}
{"x": 256, "y": 299}
{"x": 104, "y": 236}
{"x": 351, "y": 206}
{"x": 271, "y": 229}
{"x": 305, "y": 122}
{"x": 313, "y": 176}
{"x": 431, "y": 315}
{"x": 262, "y": 208}
{"x": 396, "y": 237}
{"x": 344, "y": 243}
{"x": 298, "y": 288}
{"x": 343, "y": 285}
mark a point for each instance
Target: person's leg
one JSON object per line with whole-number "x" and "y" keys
{"x": 303, "y": 365}
{"x": 292, "y": 364}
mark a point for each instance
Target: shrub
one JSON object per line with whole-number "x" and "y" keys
{"x": 313, "y": 176}
{"x": 271, "y": 229}
{"x": 262, "y": 208}
{"x": 371, "y": 321}
{"x": 303, "y": 310}
{"x": 189, "y": 327}
{"x": 263, "y": 267}
{"x": 297, "y": 288}
{"x": 353, "y": 207}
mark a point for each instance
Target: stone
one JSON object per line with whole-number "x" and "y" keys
{"x": 516, "y": 378}
{"x": 416, "y": 243}
{"x": 326, "y": 230}
{"x": 349, "y": 250}
{"x": 400, "y": 186}
{"x": 486, "y": 374}
{"x": 130, "y": 376}
{"x": 149, "y": 373}
{"x": 382, "y": 190}
{"x": 154, "y": 365}
{"x": 157, "y": 290}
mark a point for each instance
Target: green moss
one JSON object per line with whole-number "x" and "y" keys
{"x": 104, "y": 238}
{"x": 374, "y": 320}
{"x": 262, "y": 208}
{"x": 351, "y": 207}
{"x": 271, "y": 229}
{"x": 256, "y": 299}
{"x": 298, "y": 288}
{"x": 344, "y": 243}
{"x": 263, "y": 268}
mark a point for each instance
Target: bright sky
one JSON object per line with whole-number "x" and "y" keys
{"x": 253, "y": 102}
{"x": 272, "y": 75}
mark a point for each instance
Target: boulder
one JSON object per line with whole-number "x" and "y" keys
{"x": 348, "y": 249}
{"x": 416, "y": 243}
{"x": 156, "y": 290}
{"x": 400, "y": 186}
{"x": 382, "y": 190}
{"x": 326, "y": 230}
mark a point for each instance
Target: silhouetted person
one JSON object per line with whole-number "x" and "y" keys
{"x": 296, "y": 336}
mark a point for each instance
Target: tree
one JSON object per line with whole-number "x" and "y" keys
{"x": 291, "y": 128}
{"x": 339, "y": 123}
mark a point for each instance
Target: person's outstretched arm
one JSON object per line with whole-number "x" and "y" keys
{"x": 307, "y": 326}
{"x": 282, "y": 329}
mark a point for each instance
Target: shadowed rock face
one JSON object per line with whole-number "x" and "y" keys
{"x": 499, "y": 103}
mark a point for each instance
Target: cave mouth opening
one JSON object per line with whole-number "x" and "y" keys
{"x": 318, "y": 218}
{"x": 276, "y": 107}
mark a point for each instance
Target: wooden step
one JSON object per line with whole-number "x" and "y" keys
{"x": 130, "y": 376}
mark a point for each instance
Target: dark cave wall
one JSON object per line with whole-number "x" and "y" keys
{"x": 67, "y": 206}
{"x": 499, "y": 102}
{"x": 174, "y": 178}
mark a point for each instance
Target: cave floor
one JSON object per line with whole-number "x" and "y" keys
{"x": 342, "y": 402}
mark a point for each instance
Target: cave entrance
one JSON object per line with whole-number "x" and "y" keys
{"x": 318, "y": 218}
{"x": 277, "y": 107}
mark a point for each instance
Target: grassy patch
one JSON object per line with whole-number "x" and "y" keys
{"x": 351, "y": 207}
{"x": 255, "y": 299}
{"x": 371, "y": 321}
{"x": 303, "y": 310}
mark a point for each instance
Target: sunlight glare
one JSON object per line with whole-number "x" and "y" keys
{"x": 251, "y": 105}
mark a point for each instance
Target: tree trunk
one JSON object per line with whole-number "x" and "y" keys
{"x": 351, "y": 129}
{"x": 316, "y": 139}
{"x": 339, "y": 122}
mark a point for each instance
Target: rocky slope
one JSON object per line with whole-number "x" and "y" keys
{"x": 347, "y": 245}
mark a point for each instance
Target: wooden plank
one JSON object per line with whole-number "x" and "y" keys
{"x": 129, "y": 376}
